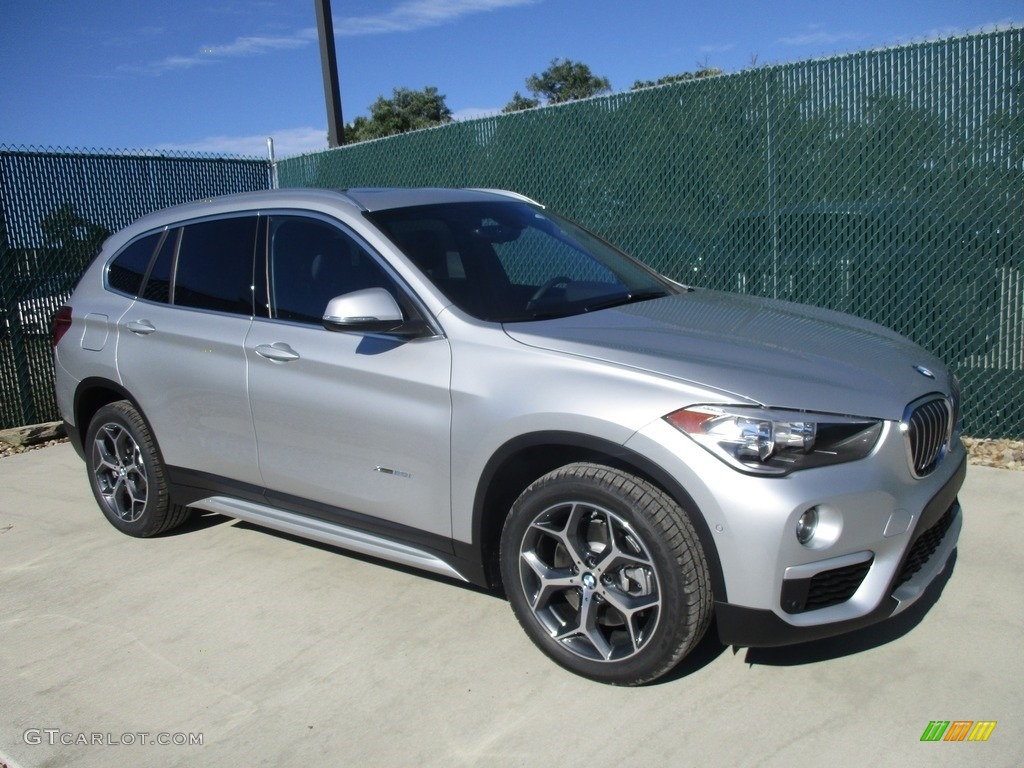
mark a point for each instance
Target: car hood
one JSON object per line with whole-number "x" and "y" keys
{"x": 769, "y": 352}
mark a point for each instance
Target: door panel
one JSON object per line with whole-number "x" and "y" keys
{"x": 354, "y": 421}
{"x": 189, "y": 376}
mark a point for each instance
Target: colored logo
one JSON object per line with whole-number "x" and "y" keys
{"x": 958, "y": 730}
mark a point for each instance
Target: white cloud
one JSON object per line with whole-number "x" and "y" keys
{"x": 287, "y": 142}
{"x": 815, "y": 35}
{"x": 240, "y": 46}
{"x": 407, "y": 16}
{"x": 251, "y": 46}
{"x": 419, "y": 14}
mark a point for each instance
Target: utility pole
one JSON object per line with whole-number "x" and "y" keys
{"x": 329, "y": 65}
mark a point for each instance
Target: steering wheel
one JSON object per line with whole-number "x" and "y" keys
{"x": 547, "y": 286}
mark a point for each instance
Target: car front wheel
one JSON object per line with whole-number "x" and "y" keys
{"x": 605, "y": 573}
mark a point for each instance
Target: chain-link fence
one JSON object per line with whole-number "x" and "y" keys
{"x": 56, "y": 208}
{"x": 888, "y": 184}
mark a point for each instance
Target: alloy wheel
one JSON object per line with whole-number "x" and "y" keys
{"x": 590, "y": 581}
{"x": 120, "y": 472}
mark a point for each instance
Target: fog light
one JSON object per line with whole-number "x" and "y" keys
{"x": 806, "y": 525}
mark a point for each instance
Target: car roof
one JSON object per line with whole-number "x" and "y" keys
{"x": 356, "y": 200}
{"x": 362, "y": 199}
{"x": 379, "y": 199}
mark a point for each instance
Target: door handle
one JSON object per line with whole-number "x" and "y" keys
{"x": 140, "y": 327}
{"x": 279, "y": 352}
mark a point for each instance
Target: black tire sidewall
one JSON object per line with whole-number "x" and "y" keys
{"x": 673, "y": 631}
{"x": 124, "y": 415}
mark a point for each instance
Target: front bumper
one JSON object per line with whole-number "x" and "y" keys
{"x": 926, "y": 558}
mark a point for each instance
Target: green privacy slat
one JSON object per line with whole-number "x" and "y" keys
{"x": 56, "y": 208}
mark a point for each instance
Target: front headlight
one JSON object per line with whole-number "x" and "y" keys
{"x": 774, "y": 442}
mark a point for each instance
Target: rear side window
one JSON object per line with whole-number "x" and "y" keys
{"x": 127, "y": 270}
{"x": 215, "y": 265}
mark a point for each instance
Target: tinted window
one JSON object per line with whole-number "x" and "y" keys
{"x": 311, "y": 262}
{"x": 510, "y": 261}
{"x": 214, "y": 268}
{"x": 534, "y": 257}
{"x": 129, "y": 267}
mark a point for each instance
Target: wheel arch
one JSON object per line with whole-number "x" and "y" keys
{"x": 92, "y": 394}
{"x": 523, "y": 459}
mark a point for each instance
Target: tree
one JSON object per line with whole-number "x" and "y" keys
{"x": 406, "y": 110}
{"x": 565, "y": 80}
{"x": 74, "y": 240}
{"x": 520, "y": 102}
{"x": 704, "y": 71}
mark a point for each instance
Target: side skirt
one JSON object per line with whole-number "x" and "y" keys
{"x": 329, "y": 533}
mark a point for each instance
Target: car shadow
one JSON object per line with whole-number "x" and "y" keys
{"x": 705, "y": 652}
{"x": 859, "y": 640}
{"x": 198, "y": 520}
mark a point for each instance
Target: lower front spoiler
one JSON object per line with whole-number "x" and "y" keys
{"x": 761, "y": 628}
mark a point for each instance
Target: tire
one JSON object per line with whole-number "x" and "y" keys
{"x": 126, "y": 473}
{"x": 605, "y": 573}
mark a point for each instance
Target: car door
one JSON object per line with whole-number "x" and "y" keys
{"x": 181, "y": 351}
{"x": 351, "y": 427}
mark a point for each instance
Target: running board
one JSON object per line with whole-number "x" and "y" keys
{"x": 328, "y": 533}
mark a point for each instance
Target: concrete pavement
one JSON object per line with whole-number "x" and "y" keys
{"x": 271, "y": 651}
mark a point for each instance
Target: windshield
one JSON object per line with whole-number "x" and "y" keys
{"x": 509, "y": 261}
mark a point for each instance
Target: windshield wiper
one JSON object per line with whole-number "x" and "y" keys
{"x": 543, "y": 314}
{"x": 568, "y": 310}
{"x": 626, "y": 298}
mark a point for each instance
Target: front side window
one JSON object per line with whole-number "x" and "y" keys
{"x": 312, "y": 261}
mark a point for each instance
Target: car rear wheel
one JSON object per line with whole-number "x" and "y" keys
{"x": 126, "y": 473}
{"x": 605, "y": 573}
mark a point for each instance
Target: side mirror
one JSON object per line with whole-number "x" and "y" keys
{"x": 371, "y": 310}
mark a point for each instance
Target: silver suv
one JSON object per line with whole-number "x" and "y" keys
{"x": 465, "y": 382}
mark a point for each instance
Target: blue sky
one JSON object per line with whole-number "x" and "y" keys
{"x": 221, "y": 75}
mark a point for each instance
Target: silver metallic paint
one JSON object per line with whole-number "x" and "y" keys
{"x": 318, "y": 425}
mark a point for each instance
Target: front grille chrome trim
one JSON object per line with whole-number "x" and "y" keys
{"x": 928, "y": 426}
